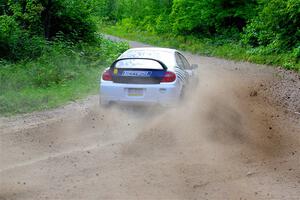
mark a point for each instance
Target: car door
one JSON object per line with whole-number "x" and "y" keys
{"x": 191, "y": 71}
{"x": 180, "y": 68}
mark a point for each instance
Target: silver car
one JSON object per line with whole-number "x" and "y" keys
{"x": 146, "y": 75}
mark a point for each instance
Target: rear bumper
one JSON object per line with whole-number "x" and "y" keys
{"x": 163, "y": 94}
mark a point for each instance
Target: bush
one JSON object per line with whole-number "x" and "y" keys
{"x": 26, "y": 25}
{"x": 276, "y": 27}
{"x": 211, "y": 16}
{"x": 163, "y": 24}
{"x": 63, "y": 72}
{"x": 16, "y": 44}
{"x": 72, "y": 18}
{"x": 9, "y": 36}
{"x": 59, "y": 63}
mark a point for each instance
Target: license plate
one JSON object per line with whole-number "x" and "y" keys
{"x": 137, "y": 73}
{"x": 135, "y": 92}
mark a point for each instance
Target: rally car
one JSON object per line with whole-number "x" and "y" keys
{"x": 146, "y": 75}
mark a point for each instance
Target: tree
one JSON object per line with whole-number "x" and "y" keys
{"x": 276, "y": 26}
{"x": 211, "y": 16}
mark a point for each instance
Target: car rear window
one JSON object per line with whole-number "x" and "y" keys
{"x": 138, "y": 64}
{"x": 166, "y": 57}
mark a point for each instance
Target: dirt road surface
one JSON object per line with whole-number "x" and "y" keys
{"x": 235, "y": 136}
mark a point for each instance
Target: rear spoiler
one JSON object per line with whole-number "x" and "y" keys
{"x": 161, "y": 63}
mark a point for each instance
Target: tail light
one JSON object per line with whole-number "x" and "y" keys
{"x": 169, "y": 77}
{"x": 107, "y": 75}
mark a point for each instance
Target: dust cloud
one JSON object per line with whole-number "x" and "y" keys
{"x": 224, "y": 140}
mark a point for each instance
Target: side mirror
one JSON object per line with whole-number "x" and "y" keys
{"x": 194, "y": 66}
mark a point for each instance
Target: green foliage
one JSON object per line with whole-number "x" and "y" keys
{"x": 187, "y": 16}
{"x": 211, "y": 16}
{"x": 105, "y": 8}
{"x": 50, "y": 52}
{"x": 72, "y": 18}
{"x": 217, "y": 46}
{"x": 263, "y": 28}
{"x": 51, "y": 45}
{"x": 16, "y": 44}
{"x": 25, "y": 24}
{"x": 27, "y": 13}
{"x": 276, "y": 28}
{"x": 162, "y": 24}
{"x": 9, "y": 35}
{"x": 138, "y": 9}
{"x": 61, "y": 62}
{"x": 71, "y": 70}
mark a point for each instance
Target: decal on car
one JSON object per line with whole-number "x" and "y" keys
{"x": 115, "y": 71}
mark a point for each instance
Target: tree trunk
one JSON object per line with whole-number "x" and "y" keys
{"x": 47, "y": 21}
{"x": 23, "y": 5}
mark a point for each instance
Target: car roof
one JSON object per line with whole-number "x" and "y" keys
{"x": 153, "y": 49}
{"x": 165, "y": 55}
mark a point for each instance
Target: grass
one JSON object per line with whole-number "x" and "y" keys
{"x": 63, "y": 73}
{"x": 217, "y": 47}
{"x": 32, "y": 99}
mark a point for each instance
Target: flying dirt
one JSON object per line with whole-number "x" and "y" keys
{"x": 235, "y": 136}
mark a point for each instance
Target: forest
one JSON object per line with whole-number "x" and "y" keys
{"x": 259, "y": 31}
{"x": 51, "y": 52}
{"x": 49, "y": 48}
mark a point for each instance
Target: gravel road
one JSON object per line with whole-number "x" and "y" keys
{"x": 235, "y": 136}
